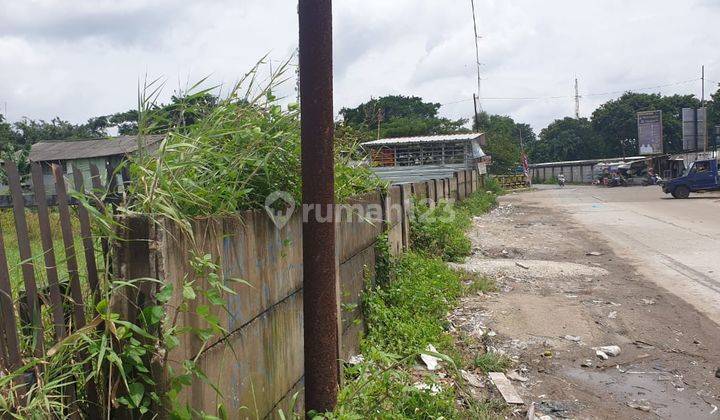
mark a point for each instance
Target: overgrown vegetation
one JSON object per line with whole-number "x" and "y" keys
{"x": 219, "y": 157}
{"x": 440, "y": 231}
{"x": 406, "y": 312}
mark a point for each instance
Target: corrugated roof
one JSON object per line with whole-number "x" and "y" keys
{"x": 83, "y": 149}
{"x": 423, "y": 139}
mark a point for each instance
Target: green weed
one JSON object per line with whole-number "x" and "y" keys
{"x": 492, "y": 362}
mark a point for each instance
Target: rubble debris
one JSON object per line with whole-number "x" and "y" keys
{"x": 587, "y": 363}
{"x": 593, "y": 253}
{"x": 641, "y": 405}
{"x": 432, "y": 362}
{"x": 507, "y": 390}
{"x": 612, "y": 315}
{"x": 574, "y": 338}
{"x": 556, "y": 408}
{"x": 601, "y": 354}
{"x": 472, "y": 379}
{"x": 648, "y": 301}
{"x": 607, "y": 350}
{"x": 356, "y": 359}
{"x": 516, "y": 376}
{"x": 521, "y": 265}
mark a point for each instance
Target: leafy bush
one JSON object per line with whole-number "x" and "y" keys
{"x": 493, "y": 186}
{"x": 440, "y": 232}
{"x": 478, "y": 203}
{"x": 408, "y": 314}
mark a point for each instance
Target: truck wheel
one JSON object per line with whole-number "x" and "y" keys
{"x": 681, "y": 192}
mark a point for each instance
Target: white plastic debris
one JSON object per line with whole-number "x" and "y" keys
{"x": 605, "y": 351}
{"x": 574, "y": 338}
{"x": 515, "y": 376}
{"x": 612, "y": 315}
{"x": 472, "y": 379}
{"x": 356, "y": 359}
{"x": 593, "y": 253}
{"x": 432, "y": 362}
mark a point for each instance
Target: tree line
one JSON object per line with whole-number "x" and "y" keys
{"x": 610, "y": 131}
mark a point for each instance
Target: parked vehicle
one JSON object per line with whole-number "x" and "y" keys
{"x": 617, "y": 181}
{"x": 701, "y": 176}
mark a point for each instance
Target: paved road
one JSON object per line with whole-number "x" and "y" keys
{"x": 675, "y": 243}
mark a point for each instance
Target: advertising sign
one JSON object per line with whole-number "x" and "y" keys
{"x": 650, "y": 132}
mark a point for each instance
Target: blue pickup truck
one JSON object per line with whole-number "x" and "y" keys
{"x": 702, "y": 175}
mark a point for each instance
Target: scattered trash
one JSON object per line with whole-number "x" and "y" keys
{"x": 432, "y": 362}
{"x": 521, "y": 265}
{"x": 574, "y": 338}
{"x": 356, "y": 359}
{"x": 472, "y": 379}
{"x": 714, "y": 409}
{"x": 593, "y": 253}
{"x": 648, "y": 301}
{"x": 434, "y": 388}
{"x": 515, "y": 376}
{"x": 531, "y": 412}
{"x": 547, "y": 353}
{"x": 601, "y": 354}
{"x": 587, "y": 363}
{"x": 507, "y": 390}
{"x": 559, "y": 409}
{"x": 608, "y": 350}
{"x": 491, "y": 334}
{"x": 612, "y": 315}
{"x": 641, "y": 405}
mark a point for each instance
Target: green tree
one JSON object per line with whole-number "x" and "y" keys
{"x": 503, "y": 137}
{"x": 566, "y": 139}
{"x": 399, "y": 116}
{"x": 616, "y": 120}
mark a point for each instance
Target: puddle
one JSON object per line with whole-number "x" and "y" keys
{"x": 657, "y": 388}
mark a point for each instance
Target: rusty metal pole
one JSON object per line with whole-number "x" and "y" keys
{"x": 318, "y": 192}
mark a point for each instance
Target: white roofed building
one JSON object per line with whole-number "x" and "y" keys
{"x": 409, "y": 159}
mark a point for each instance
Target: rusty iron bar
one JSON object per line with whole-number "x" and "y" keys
{"x": 318, "y": 191}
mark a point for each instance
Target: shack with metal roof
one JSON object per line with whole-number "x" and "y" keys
{"x": 410, "y": 159}
{"x": 103, "y": 153}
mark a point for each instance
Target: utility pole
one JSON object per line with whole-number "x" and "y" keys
{"x": 477, "y": 56}
{"x": 320, "y": 295}
{"x": 476, "y": 127}
{"x": 702, "y": 78}
{"x": 577, "y": 100}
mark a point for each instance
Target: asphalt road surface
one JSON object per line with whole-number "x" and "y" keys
{"x": 675, "y": 243}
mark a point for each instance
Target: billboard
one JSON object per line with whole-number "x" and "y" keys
{"x": 650, "y": 132}
{"x": 694, "y": 128}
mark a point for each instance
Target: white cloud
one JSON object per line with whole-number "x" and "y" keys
{"x": 84, "y": 58}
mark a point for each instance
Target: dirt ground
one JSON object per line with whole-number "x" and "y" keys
{"x": 563, "y": 292}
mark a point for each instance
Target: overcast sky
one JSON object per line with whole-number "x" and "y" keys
{"x": 82, "y": 58}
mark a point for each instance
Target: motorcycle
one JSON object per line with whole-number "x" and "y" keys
{"x": 617, "y": 182}
{"x": 561, "y": 181}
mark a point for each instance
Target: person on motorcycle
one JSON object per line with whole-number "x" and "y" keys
{"x": 561, "y": 180}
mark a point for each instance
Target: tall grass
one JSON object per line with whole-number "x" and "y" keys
{"x": 245, "y": 148}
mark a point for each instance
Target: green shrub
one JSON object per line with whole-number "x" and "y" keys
{"x": 474, "y": 283}
{"x": 493, "y": 186}
{"x": 408, "y": 314}
{"x": 478, "y": 203}
{"x": 492, "y": 362}
{"x": 440, "y": 232}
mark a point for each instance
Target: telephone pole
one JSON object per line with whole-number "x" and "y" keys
{"x": 577, "y": 100}
{"x": 702, "y": 78}
{"x": 476, "y": 126}
{"x": 477, "y": 56}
